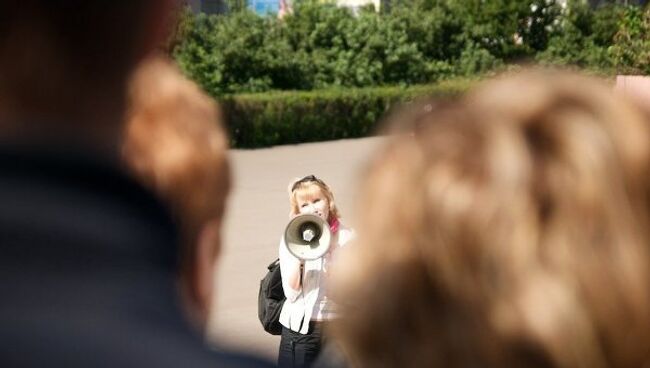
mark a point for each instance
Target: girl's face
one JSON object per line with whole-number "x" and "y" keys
{"x": 313, "y": 201}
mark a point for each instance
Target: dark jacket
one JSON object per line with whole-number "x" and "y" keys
{"x": 88, "y": 269}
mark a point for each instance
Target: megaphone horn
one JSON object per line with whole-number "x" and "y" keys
{"x": 307, "y": 237}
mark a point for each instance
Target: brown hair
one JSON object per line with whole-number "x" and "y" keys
{"x": 508, "y": 230}
{"x": 55, "y": 54}
{"x": 174, "y": 142}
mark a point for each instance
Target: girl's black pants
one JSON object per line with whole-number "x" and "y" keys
{"x": 298, "y": 350}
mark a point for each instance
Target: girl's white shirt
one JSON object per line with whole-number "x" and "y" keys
{"x": 310, "y": 302}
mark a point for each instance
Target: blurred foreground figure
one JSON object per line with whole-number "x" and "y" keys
{"x": 636, "y": 88}
{"x": 89, "y": 260}
{"x": 509, "y": 230}
{"x": 176, "y": 145}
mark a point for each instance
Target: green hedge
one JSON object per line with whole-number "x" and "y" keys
{"x": 273, "y": 118}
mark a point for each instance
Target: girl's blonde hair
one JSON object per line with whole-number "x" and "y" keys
{"x": 509, "y": 229}
{"x": 307, "y": 185}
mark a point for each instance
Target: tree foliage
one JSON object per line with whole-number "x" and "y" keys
{"x": 321, "y": 45}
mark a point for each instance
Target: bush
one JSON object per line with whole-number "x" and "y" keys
{"x": 266, "y": 119}
{"x": 227, "y": 54}
{"x": 584, "y": 37}
{"x": 631, "y": 50}
{"x": 476, "y": 60}
{"x": 508, "y": 29}
{"x": 322, "y": 46}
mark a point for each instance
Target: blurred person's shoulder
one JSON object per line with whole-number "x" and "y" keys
{"x": 238, "y": 359}
{"x": 195, "y": 354}
{"x": 89, "y": 268}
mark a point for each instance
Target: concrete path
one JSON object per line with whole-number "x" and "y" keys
{"x": 257, "y": 214}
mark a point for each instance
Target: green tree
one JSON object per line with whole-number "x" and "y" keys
{"x": 507, "y": 29}
{"x": 631, "y": 50}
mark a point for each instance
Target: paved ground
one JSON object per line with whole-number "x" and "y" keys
{"x": 257, "y": 214}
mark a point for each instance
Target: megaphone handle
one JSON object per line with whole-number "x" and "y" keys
{"x": 302, "y": 270}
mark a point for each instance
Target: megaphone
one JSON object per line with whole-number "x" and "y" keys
{"x": 307, "y": 237}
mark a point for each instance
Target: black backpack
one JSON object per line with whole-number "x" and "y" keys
{"x": 270, "y": 299}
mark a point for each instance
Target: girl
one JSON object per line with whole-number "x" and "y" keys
{"x": 305, "y": 283}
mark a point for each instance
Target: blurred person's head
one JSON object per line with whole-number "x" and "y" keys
{"x": 310, "y": 195}
{"x": 64, "y": 64}
{"x": 509, "y": 229}
{"x": 636, "y": 88}
{"x": 175, "y": 144}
